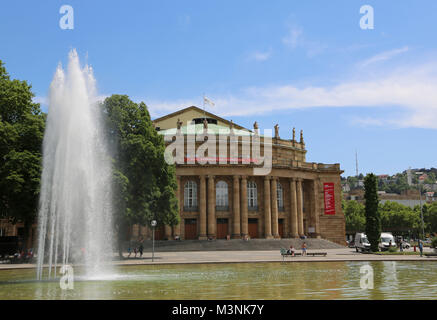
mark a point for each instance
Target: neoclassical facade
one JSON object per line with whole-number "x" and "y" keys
{"x": 222, "y": 196}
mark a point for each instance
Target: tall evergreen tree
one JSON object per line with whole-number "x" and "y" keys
{"x": 144, "y": 184}
{"x": 373, "y": 216}
{"x": 21, "y": 135}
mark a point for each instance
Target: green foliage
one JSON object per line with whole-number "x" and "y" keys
{"x": 373, "y": 219}
{"x": 21, "y": 135}
{"x": 429, "y": 216}
{"x": 397, "y": 184}
{"x": 393, "y": 249}
{"x": 144, "y": 183}
{"x": 354, "y": 216}
{"x": 396, "y": 217}
{"x": 434, "y": 242}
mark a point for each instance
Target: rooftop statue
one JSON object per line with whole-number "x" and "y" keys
{"x": 277, "y": 131}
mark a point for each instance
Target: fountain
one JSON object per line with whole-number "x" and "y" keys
{"x": 75, "y": 215}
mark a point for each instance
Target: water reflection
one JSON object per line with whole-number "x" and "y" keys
{"x": 296, "y": 280}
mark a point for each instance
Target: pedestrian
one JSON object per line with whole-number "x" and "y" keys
{"x": 141, "y": 249}
{"x": 291, "y": 250}
{"x": 421, "y": 247}
{"x": 129, "y": 250}
{"x": 135, "y": 251}
{"x": 304, "y": 249}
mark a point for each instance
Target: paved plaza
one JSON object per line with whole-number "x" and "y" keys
{"x": 342, "y": 254}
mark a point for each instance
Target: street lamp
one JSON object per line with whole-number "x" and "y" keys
{"x": 153, "y": 224}
{"x": 421, "y": 206}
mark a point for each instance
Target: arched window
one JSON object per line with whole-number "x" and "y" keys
{"x": 280, "y": 196}
{"x": 221, "y": 196}
{"x": 252, "y": 195}
{"x": 190, "y": 195}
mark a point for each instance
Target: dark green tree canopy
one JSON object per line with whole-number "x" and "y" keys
{"x": 373, "y": 218}
{"x": 21, "y": 136}
{"x": 145, "y": 183}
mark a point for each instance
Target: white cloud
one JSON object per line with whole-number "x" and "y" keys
{"x": 292, "y": 39}
{"x": 295, "y": 39}
{"x": 383, "y": 56}
{"x": 260, "y": 56}
{"x": 412, "y": 90}
{"x": 43, "y": 101}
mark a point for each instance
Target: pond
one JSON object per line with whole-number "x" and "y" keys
{"x": 251, "y": 281}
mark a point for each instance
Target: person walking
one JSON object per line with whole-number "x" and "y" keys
{"x": 304, "y": 249}
{"x": 129, "y": 249}
{"x": 421, "y": 247}
{"x": 140, "y": 249}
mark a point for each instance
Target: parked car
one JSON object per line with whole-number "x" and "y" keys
{"x": 386, "y": 241}
{"x": 361, "y": 242}
{"x": 405, "y": 245}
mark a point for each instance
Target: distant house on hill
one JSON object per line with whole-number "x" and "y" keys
{"x": 383, "y": 177}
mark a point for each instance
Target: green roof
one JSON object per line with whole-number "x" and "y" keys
{"x": 212, "y": 129}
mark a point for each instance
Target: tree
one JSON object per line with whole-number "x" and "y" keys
{"x": 398, "y": 218}
{"x": 21, "y": 134}
{"x": 373, "y": 218}
{"x": 354, "y": 216}
{"x": 144, "y": 184}
{"x": 429, "y": 217}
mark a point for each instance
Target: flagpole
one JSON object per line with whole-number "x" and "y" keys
{"x": 204, "y": 112}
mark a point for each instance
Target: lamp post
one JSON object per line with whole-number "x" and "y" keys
{"x": 153, "y": 224}
{"x": 421, "y": 206}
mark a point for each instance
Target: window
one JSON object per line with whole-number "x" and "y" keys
{"x": 221, "y": 196}
{"x": 280, "y": 196}
{"x": 252, "y": 195}
{"x": 190, "y": 195}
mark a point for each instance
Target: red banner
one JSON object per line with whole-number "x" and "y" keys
{"x": 328, "y": 189}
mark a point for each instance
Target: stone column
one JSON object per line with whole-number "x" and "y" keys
{"x": 212, "y": 222}
{"x": 267, "y": 211}
{"x": 301, "y": 231}
{"x": 293, "y": 209}
{"x": 244, "y": 215}
{"x": 202, "y": 208}
{"x": 177, "y": 228}
{"x": 274, "y": 197}
{"x": 236, "y": 230}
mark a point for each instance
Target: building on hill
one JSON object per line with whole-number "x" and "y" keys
{"x": 226, "y": 189}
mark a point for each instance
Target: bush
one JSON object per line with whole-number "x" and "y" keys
{"x": 392, "y": 249}
{"x": 434, "y": 242}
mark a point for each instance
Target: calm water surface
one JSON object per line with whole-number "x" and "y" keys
{"x": 306, "y": 280}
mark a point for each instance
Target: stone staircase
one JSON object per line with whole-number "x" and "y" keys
{"x": 237, "y": 244}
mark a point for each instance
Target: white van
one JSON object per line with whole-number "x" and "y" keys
{"x": 361, "y": 242}
{"x": 386, "y": 241}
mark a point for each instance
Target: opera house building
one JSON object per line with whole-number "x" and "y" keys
{"x": 239, "y": 183}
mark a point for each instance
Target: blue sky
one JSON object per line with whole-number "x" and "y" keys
{"x": 303, "y": 64}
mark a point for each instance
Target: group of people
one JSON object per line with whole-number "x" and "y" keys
{"x": 304, "y": 249}
{"x": 137, "y": 249}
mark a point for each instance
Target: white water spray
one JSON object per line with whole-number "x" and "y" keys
{"x": 75, "y": 216}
